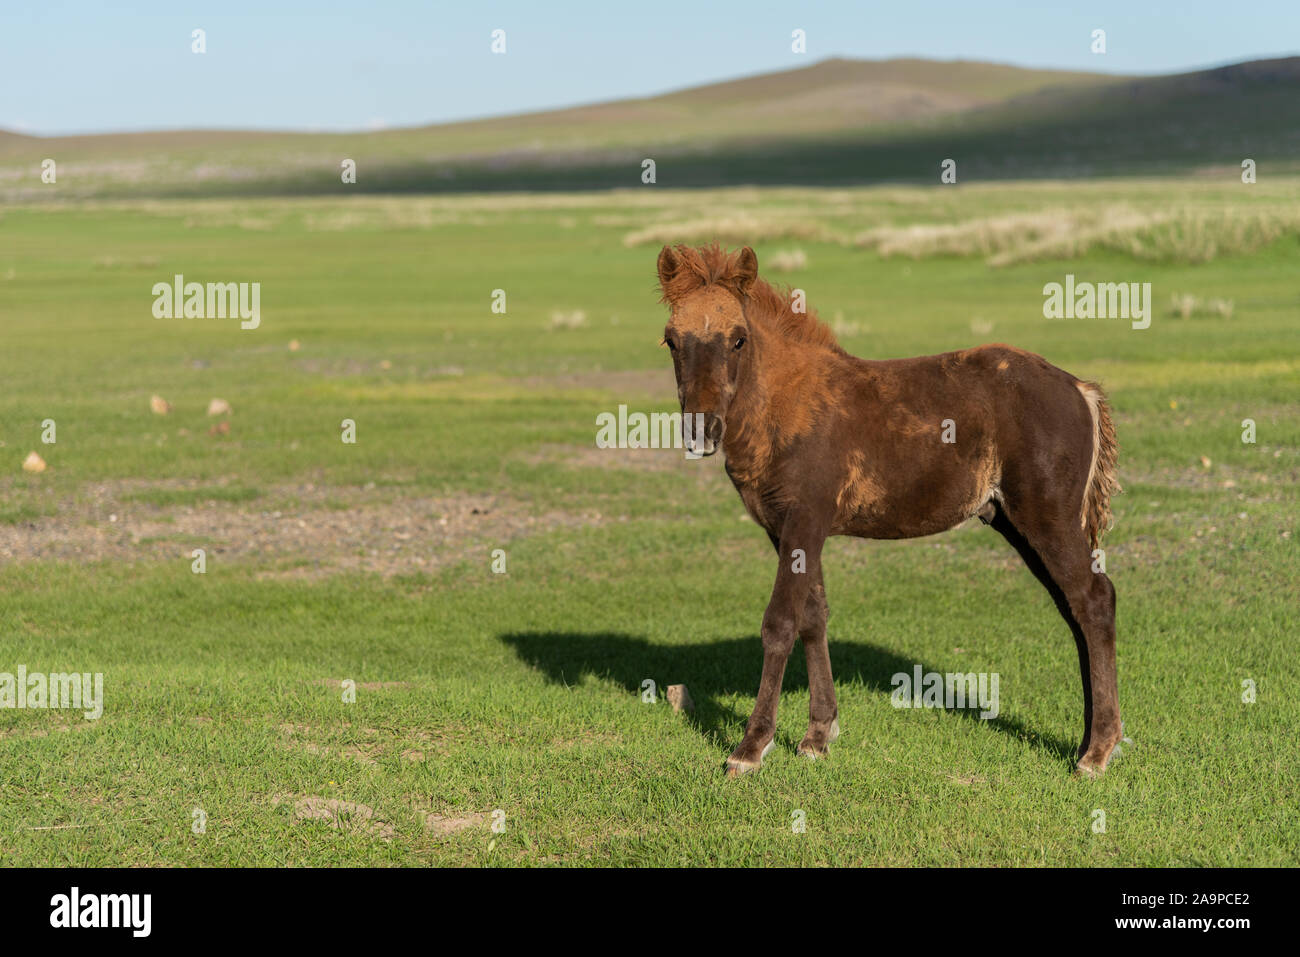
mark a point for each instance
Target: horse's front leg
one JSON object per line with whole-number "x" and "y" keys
{"x": 798, "y": 569}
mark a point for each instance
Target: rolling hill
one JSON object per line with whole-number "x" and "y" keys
{"x": 835, "y": 122}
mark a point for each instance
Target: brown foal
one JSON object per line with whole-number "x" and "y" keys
{"x": 820, "y": 443}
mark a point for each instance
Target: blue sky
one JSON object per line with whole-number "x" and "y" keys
{"x": 93, "y": 66}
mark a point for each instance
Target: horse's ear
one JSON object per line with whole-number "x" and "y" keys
{"x": 668, "y": 266}
{"x": 746, "y": 270}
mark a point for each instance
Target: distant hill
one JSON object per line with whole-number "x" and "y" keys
{"x": 8, "y": 137}
{"x": 835, "y": 122}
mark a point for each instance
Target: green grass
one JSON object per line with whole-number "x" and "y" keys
{"x": 521, "y": 692}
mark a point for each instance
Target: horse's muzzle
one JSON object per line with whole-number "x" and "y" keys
{"x": 702, "y": 433}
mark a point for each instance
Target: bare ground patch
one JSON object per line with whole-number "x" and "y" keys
{"x": 303, "y": 531}
{"x": 342, "y": 815}
{"x": 44, "y": 731}
{"x": 1235, "y": 480}
{"x": 444, "y": 824}
{"x": 667, "y": 461}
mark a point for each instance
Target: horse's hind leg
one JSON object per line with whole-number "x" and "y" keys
{"x": 1058, "y": 555}
{"x": 823, "y": 726}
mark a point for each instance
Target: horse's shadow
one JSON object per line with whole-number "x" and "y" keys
{"x": 719, "y": 670}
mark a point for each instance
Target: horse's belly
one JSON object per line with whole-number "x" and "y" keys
{"x": 914, "y": 509}
{"x": 902, "y": 523}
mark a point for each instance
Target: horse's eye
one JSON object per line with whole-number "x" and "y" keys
{"x": 739, "y": 342}
{"x": 672, "y": 346}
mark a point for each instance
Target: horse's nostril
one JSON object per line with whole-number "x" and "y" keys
{"x": 713, "y": 431}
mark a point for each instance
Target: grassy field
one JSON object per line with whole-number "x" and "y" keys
{"x": 516, "y": 697}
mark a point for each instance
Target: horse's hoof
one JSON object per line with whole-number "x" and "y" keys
{"x": 811, "y": 750}
{"x": 1091, "y": 766}
{"x": 738, "y": 766}
{"x": 1093, "y": 763}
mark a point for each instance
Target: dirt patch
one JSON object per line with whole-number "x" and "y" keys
{"x": 44, "y": 732}
{"x": 1218, "y": 478}
{"x": 304, "y": 531}
{"x": 342, "y": 815}
{"x": 451, "y": 823}
{"x": 665, "y": 461}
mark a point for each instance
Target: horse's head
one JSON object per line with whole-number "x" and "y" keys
{"x": 707, "y": 334}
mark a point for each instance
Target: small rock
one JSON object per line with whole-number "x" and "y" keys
{"x": 294, "y": 345}
{"x": 33, "y": 463}
{"x": 218, "y": 407}
{"x": 221, "y": 428}
{"x": 159, "y": 405}
{"x": 680, "y": 698}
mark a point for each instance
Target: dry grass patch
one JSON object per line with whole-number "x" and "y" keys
{"x": 1183, "y": 235}
{"x": 1187, "y": 305}
{"x": 787, "y": 260}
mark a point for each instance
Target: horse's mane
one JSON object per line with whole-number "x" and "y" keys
{"x": 712, "y": 265}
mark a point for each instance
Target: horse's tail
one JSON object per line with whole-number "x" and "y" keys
{"x": 1095, "y": 517}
